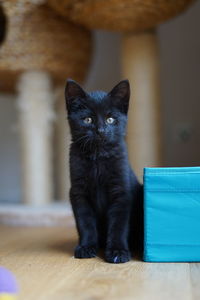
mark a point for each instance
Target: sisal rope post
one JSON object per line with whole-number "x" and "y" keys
{"x": 35, "y": 112}
{"x": 140, "y": 62}
{"x": 36, "y": 38}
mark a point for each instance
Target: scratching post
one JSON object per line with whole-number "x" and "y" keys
{"x": 37, "y": 38}
{"x": 35, "y": 107}
{"x": 140, "y": 62}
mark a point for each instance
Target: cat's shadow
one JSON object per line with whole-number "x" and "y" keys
{"x": 68, "y": 246}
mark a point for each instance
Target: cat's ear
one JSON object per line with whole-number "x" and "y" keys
{"x": 121, "y": 94}
{"x": 73, "y": 91}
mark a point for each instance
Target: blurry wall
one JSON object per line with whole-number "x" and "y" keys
{"x": 9, "y": 151}
{"x": 179, "y": 42}
{"x": 180, "y": 74}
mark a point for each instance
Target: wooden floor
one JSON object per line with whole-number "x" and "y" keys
{"x": 43, "y": 263}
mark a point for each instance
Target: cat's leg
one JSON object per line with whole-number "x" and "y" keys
{"x": 86, "y": 225}
{"x": 117, "y": 248}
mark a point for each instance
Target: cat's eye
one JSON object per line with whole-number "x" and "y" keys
{"x": 110, "y": 120}
{"x": 87, "y": 120}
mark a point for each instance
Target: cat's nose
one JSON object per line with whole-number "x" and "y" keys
{"x": 100, "y": 131}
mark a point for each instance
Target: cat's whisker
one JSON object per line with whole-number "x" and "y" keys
{"x": 79, "y": 139}
{"x": 84, "y": 145}
{"x": 88, "y": 142}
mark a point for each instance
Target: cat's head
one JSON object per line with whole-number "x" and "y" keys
{"x": 97, "y": 118}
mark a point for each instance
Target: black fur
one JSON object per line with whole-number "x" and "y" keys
{"x": 104, "y": 190}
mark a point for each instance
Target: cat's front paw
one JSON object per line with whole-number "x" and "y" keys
{"x": 117, "y": 256}
{"x": 85, "y": 251}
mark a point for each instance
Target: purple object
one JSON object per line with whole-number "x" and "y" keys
{"x": 8, "y": 283}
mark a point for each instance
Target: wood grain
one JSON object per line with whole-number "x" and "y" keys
{"x": 43, "y": 263}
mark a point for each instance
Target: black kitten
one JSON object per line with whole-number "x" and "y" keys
{"x": 104, "y": 190}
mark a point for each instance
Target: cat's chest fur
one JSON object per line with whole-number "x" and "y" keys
{"x": 97, "y": 182}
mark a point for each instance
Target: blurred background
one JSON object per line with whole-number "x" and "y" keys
{"x": 34, "y": 153}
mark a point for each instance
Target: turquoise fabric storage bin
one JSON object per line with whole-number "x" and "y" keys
{"x": 172, "y": 214}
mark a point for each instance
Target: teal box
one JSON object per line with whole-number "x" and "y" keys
{"x": 172, "y": 214}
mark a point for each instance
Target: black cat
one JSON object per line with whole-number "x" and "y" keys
{"x": 105, "y": 194}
